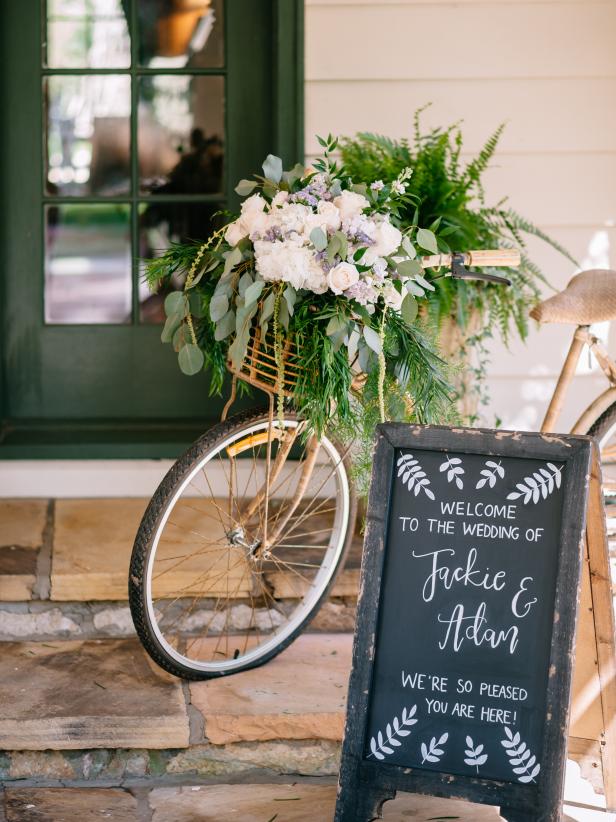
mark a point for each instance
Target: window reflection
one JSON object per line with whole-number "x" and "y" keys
{"x": 88, "y": 264}
{"x": 181, "y": 133}
{"x": 88, "y": 134}
{"x": 161, "y": 224}
{"x": 179, "y": 33}
{"x": 87, "y": 34}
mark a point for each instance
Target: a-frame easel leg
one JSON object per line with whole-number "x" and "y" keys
{"x": 366, "y": 805}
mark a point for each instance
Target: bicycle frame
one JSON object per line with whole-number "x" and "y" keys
{"x": 582, "y": 338}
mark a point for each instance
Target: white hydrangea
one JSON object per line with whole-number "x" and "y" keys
{"x": 291, "y": 262}
{"x": 326, "y": 218}
{"x": 359, "y": 224}
{"x": 291, "y": 218}
{"x": 280, "y": 198}
{"x": 387, "y": 239}
{"x": 350, "y": 204}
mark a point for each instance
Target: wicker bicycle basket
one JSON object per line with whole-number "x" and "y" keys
{"x": 259, "y": 367}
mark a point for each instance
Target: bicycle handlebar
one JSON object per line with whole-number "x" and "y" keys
{"x": 507, "y": 257}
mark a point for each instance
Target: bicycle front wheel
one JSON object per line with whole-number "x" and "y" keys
{"x": 240, "y": 545}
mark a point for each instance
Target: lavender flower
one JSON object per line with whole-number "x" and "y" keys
{"x": 273, "y": 234}
{"x": 361, "y": 238}
{"x": 379, "y": 271}
{"x": 304, "y": 196}
{"x": 321, "y": 257}
{"x": 363, "y": 293}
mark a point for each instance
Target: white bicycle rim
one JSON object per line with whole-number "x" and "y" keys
{"x": 320, "y": 583}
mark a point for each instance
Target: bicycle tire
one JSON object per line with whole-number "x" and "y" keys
{"x": 150, "y": 523}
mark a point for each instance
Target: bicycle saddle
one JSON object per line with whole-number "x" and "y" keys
{"x": 590, "y": 297}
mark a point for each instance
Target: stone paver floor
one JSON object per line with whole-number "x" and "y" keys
{"x": 95, "y": 694}
{"x": 299, "y": 802}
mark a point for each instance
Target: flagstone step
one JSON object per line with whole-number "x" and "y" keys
{"x": 298, "y": 802}
{"x": 22, "y": 532}
{"x": 300, "y": 694}
{"x": 78, "y": 550}
{"x": 94, "y": 694}
{"x": 79, "y": 710}
{"x": 293, "y": 803}
{"x": 108, "y": 694}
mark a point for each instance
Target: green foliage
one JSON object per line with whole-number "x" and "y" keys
{"x": 446, "y": 193}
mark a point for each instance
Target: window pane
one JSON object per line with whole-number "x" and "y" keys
{"x": 88, "y": 264}
{"x": 181, "y": 134}
{"x": 178, "y": 34}
{"x": 160, "y": 224}
{"x": 87, "y": 34}
{"x": 88, "y": 134}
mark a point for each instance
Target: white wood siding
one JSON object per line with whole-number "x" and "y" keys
{"x": 548, "y": 68}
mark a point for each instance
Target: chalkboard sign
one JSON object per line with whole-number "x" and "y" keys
{"x": 466, "y": 620}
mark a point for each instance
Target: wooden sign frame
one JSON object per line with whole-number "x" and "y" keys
{"x": 364, "y": 784}
{"x": 592, "y": 730}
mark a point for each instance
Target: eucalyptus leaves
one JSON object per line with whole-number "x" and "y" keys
{"x": 314, "y": 258}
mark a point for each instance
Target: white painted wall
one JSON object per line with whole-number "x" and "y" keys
{"x": 547, "y": 67}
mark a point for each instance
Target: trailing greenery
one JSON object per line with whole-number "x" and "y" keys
{"x": 451, "y": 200}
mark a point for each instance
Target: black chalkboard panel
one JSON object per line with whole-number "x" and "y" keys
{"x": 462, "y": 659}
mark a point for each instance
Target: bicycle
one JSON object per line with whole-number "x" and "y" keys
{"x": 244, "y": 537}
{"x": 589, "y": 297}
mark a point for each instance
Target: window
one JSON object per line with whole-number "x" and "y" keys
{"x": 135, "y": 144}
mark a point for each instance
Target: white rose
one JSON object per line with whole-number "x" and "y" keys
{"x": 350, "y": 204}
{"x": 252, "y": 216}
{"x": 393, "y": 298}
{"x": 387, "y": 239}
{"x": 343, "y": 276}
{"x": 235, "y": 232}
{"x": 280, "y": 198}
{"x": 253, "y": 203}
{"x": 330, "y": 214}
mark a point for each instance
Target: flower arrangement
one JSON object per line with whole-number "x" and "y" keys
{"x": 315, "y": 258}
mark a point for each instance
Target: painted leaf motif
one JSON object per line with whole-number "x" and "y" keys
{"x": 538, "y": 485}
{"x": 413, "y": 476}
{"x": 374, "y": 750}
{"x": 381, "y": 746}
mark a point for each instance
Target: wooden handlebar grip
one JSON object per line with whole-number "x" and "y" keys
{"x": 508, "y": 257}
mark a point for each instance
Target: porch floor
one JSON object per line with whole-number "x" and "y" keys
{"x": 124, "y": 740}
